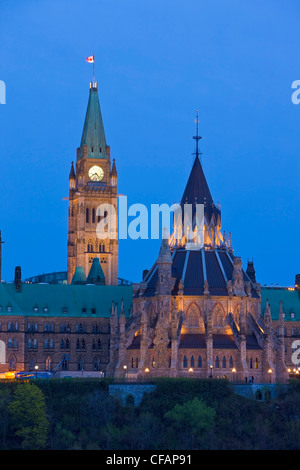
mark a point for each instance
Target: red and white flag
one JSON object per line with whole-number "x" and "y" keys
{"x": 90, "y": 59}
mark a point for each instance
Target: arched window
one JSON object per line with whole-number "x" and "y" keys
{"x": 96, "y": 363}
{"x": 12, "y": 363}
{"x": 250, "y": 363}
{"x": 87, "y": 215}
{"x": 224, "y": 362}
{"x": 230, "y": 362}
{"x": 99, "y": 345}
{"x": 48, "y": 363}
{"x": 9, "y": 343}
{"x": 80, "y": 363}
{"x": 192, "y": 361}
{"x": 93, "y": 215}
{"x": 256, "y": 363}
{"x": 184, "y": 362}
{"x": 199, "y": 361}
{"x": 217, "y": 362}
{"x": 31, "y": 363}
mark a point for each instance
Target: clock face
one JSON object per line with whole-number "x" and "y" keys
{"x": 96, "y": 173}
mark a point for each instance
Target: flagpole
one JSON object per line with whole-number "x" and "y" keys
{"x": 94, "y": 70}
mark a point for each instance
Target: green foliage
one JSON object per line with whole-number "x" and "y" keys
{"x": 28, "y": 415}
{"x": 70, "y": 414}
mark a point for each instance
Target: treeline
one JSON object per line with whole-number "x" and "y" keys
{"x": 79, "y": 414}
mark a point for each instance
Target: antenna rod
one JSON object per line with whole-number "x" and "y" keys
{"x": 197, "y": 137}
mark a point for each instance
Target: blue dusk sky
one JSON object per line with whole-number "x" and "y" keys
{"x": 156, "y": 63}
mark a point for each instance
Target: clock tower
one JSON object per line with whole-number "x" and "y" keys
{"x": 92, "y": 184}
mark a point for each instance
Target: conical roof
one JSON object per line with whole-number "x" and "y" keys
{"x": 79, "y": 276}
{"x": 96, "y": 275}
{"x": 197, "y": 191}
{"x": 93, "y": 135}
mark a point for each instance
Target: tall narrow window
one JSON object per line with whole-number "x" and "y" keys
{"x": 93, "y": 216}
{"x": 87, "y": 215}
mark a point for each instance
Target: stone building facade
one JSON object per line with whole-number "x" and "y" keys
{"x": 197, "y": 312}
{"x": 92, "y": 185}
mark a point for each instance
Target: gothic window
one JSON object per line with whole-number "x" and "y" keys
{"x": 67, "y": 344}
{"x": 217, "y": 362}
{"x": 48, "y": 363}
{"x": 15, "y": 343}
{"x": 83, "y": 343}
{"x": 87, "y": 215}
{"x": 80, "y": 364}
{"x": 12, "y": 363}
{"x": 77, "y": 344}
{"x": 64, "y": 364}
{"x": 31, "y": 363}
{"x": 51, "y": 343}
{"x": 250, "y": 363}
{"x": 224, "y": 362}
{"x": 99, "y": 345}
{"x": 192, "y": 361}
{"x": 184, "y": 362}
{"x": 256, "y": 364}
{"x": 9, "y": 343}
{"x": 230, "y": 362}
{"x": 96, "y": 363}
{"x": 200, "y": 361}
{"x": 29, "y": 344}
{"x": 93, "y": 215}
{"x": 34, "y": 344}
{"x": 153, "y": 362}
{"x": 218, "y": 317}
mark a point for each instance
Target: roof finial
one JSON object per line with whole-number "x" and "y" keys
{"x": 197, "y": 137}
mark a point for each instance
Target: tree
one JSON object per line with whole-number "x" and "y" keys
{"x": 28, "y": 415}
{"x": 191, "y": 420}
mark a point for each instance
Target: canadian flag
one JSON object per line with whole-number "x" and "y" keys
{"x": 90, "y": 59}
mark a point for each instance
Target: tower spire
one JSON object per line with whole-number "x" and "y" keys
{"x": 197, "y": 137}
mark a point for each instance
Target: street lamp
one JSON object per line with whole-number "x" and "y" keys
{"x": 125, "y": 370}
{"x": 211, "y": 368}
{"x": 270, "y": 372}
{"x": 36, "y": 369}
{"x": 233, "y": 372}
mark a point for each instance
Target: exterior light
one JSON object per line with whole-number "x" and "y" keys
{"x": 147, "y": 370}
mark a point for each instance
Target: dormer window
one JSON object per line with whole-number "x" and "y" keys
{"x": 9, "y": 309}
{"x": 35, "y": 309}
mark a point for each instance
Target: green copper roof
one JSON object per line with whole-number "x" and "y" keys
{"x": 50, "y": 300}
{"x": 96, "y": 275}
{"x": 79, "y": 276}
{"x": 93, "y": 135}
{"x": 290, "y": 302}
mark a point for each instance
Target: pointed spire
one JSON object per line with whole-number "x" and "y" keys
{"x": 114, "y": 174}
{"x": 72, "y": 171}
{"x": 164, "y": 255}
{"x": 96, "y": 275}
{"x": 93, "y": 140}
{"x": 197, "y": 190}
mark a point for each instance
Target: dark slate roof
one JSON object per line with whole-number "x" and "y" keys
{"x": 193, "y": 267}
{"x": 251, "y": 342}
{"x": 192, "y": 341}
{"x": 224, "y": 342}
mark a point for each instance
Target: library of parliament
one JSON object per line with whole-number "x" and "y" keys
{"x": 197, "y": 311}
